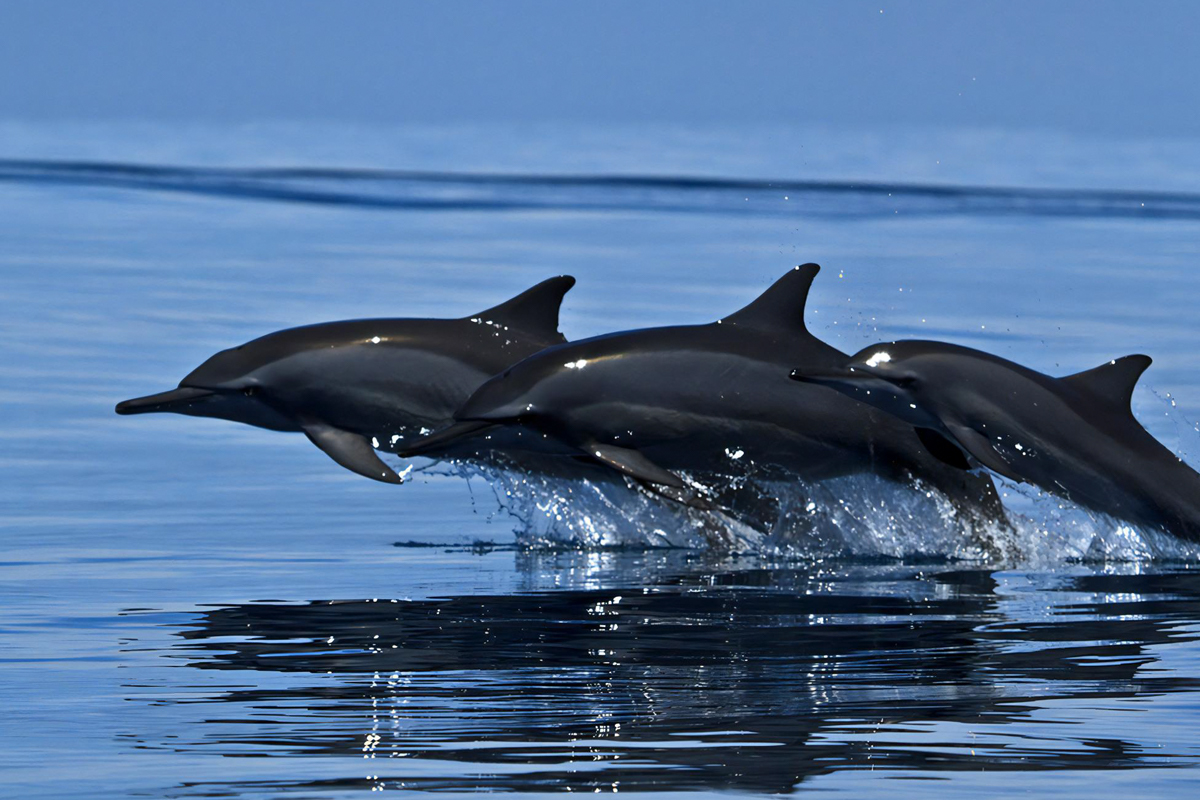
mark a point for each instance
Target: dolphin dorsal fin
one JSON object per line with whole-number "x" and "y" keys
{"x": 1113, "y": 381}
{"x": 782, "y": 305}
{"x": 534, "y": 310}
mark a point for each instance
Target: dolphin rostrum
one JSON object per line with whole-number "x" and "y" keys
{"x": 709, "y": 399}
{"x": 1075, "y": 436}
{"x": 355, "y": 386}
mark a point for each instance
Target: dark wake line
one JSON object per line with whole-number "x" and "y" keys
{"x": 443, "y": 191}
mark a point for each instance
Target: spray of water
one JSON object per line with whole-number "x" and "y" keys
{"x": 860, "y": 516}
{"x": 857, "y": 517}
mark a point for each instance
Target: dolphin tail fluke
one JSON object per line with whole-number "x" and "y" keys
{"x": 534, "y": 310}
{"x": 350, "y": 450}
{"x": 439, "y": 440}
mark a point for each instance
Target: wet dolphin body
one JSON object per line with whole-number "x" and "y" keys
{"x": 1075, "y": 436}
{"x": 357, "y": 385}
{"x": 710, "y": 398}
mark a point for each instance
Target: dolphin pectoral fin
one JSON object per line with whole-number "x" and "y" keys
{"x": 634, "y": 464}
{"x": 942, "y": 448}
{"x": 687, "y": 496}
{"x": 978, "y": 445}
{"x": 648, "y": 474}
{"x": 351, "y": 450}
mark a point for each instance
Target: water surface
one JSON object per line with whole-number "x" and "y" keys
{"x": 194, "y": 608}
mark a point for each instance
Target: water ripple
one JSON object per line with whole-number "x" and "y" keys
{"x": 448, "y": 191}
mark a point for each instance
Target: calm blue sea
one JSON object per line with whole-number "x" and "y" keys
{"x": 192, "y": 608}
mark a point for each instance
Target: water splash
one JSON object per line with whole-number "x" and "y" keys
{"x": 1050, "y": 530}
{"x": 861, "y": 517}
{"x": 554, "y": 512}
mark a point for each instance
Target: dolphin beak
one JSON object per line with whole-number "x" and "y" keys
{"x": 826, "y": 377}
{"x": 447, "y": 435}
{"x": 173, "y": 400}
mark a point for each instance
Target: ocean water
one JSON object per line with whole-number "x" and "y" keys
{"x": 193, "y": 608}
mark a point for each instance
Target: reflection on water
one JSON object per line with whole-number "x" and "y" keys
{"x": 647, "y": 672}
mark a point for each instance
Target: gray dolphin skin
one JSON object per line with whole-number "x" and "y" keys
{"x": 710, "y": 398}
{"x": 355, "y": 386}
{"x": 1075, "y": 436}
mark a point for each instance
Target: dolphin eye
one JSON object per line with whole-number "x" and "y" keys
{"x": 250, "y": 391}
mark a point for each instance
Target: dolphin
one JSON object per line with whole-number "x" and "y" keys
{"x": 711, "y": 398}
{"x": 1075, "y": 436}
{"x": 355, "y": 386}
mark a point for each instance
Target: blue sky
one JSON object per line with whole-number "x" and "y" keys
{"x": 1108, "y": 68}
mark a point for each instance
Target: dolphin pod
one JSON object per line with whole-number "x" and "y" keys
{"x": 708, "y": 399}
{"x": 355, "y": 386}
{"x": 1075, "y": 437}
{"x": 680, "y": 410}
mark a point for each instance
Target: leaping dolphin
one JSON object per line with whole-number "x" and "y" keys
{"x": 357, "y": 385}
{"x": 709, "y": 398}
{"x": 1075, "y": 437}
